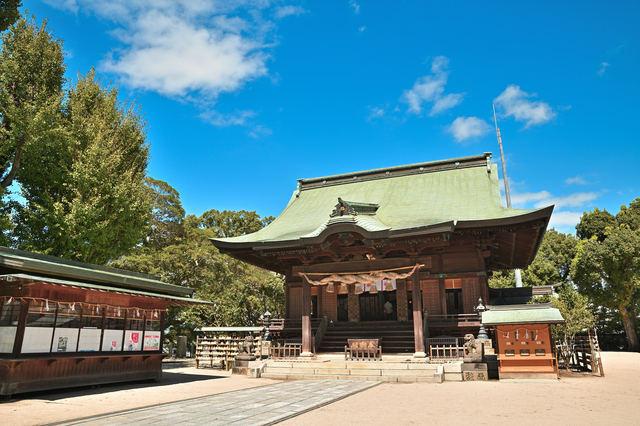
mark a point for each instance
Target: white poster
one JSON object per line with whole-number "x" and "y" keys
{"x": 65, "y": 340}
{"x": 112, "y": 340}
{"x": 151, "y": 340}
{"x": 132, "y": 340}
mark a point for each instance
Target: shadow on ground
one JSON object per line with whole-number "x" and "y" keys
{"x": 169, "y": 378}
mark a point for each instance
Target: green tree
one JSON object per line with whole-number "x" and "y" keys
{"x": 578, "y": 315}
{"x": 31, "y": 79}
{"x": 183, "y": 255}
{"x": 594, "y": 224}
{"x": 9, "y": 13}
{"x": 84, "y": 188}
{"x": 608, "y": 269}
{"x": 552, "y": 264}
{"x": 228, "y": 223}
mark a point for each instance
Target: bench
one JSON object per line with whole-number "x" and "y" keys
{"x": 363, "y": 350}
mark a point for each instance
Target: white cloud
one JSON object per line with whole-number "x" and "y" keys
{"x": 186, "y": 47}
{"x": 513, "y": 102}
{"x": 356, "y": 7}
{"x": 576, "y": 179}
{"x": 191, "y": 50}
{"x": 376, "y": 113}
{"x": 430, "y": 88}
{"x": 561, "y": 220}
{"x": 464, "y": 128}
{"x": 259, "y": 130}
{"x": 282, "y": 11}
{"x": 603, "y": 67}
{"x": 238, "y": 118}
{"x": 520, "y": 200}
{"x": 361, "y": 29}
{"x": 573, "y": 200}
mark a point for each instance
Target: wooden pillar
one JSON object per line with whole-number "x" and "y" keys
{"x": 416, "y": 297}
{"x": 307, "y": 344}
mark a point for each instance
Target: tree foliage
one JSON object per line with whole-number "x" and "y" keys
{"x": 9, "y": 13}
{"x": 552, "y": 264}
{"x": 607, "y": 268}
{"x": 577, "y": 313}
{"x": 178, "y": 249}
{"x": 84, "y": 188}
{"x": 31, "y": 79}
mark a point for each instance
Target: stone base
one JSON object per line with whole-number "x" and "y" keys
{"x": 420, "y": 355}
{"x": 244, "y": 368}
{"x": 243, "y": 361}
{"x": 475, "y": 371}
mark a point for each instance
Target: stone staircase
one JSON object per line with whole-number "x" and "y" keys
{"x": 397, "y": 337}
{"x": 331, "y": 369}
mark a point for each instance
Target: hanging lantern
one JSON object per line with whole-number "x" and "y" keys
{"x": 374, "y": 288}
{"x": 358, "y": 289}
{"x": 330, "y": 288}
{"x": 73, "y": 307}
{"x": 344, "y": 289}
{"x": 388, "y": 285}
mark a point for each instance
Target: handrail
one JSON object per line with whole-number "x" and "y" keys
{"x": 320, "y": 333}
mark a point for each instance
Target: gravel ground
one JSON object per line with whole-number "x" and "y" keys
{"x": 575, "y": 399}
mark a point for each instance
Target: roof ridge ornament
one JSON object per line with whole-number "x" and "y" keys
{"x": 351, "y": 208}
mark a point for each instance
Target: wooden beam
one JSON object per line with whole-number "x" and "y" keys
{"x": 418, "y": 333}
{"x": 307, "y": 349}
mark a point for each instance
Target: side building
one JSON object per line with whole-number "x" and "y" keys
{"x": 66, "y": 323}
{"x": 411, "y": 244}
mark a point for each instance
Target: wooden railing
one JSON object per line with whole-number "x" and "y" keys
{"x": 455, "y": 319}
{"x": 322, "y": 327}
{"x": 281, "y": 324}
{"x": 289, "y": 348}
{"x": 442, "y": 349}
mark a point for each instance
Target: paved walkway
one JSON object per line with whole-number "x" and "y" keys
{"x": 262, "y": 405}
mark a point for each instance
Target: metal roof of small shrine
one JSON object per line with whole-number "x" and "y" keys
{"x": 424, "y": 198}
{"x": 522, "y": 314}
{"x": 17, "y": 261}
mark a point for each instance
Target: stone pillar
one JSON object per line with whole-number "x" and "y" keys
{"x": 401, "y": 301}
{"x": 307, "y": 344}
{"x": 353, "y": 306}
{"x": 182, "y": 347}
{"x": 416, "y": 297}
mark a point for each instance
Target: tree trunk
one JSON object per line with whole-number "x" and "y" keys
{"x": 629, "y": 328}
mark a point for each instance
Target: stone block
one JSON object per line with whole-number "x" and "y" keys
{"x": 453, "y": 367}
{"x": 472, "y": 372}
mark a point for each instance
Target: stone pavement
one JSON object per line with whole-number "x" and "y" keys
{"x": 262, "y": 405}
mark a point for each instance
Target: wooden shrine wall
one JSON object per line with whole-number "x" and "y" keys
{"x": 431, "y": 296}
{"x": 471, "y": 292}
{"x": 329, "y": 305}
{"x": 295, "y": 303}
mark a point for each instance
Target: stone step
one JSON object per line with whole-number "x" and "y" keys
{"x": 349, "y": 365}
{"x": 381, "y": 378}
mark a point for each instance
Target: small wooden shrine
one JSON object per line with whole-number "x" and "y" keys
{"x": 66, "y": 323}
{"x": 393, "y": 245}
{"x": 523, "y": 340}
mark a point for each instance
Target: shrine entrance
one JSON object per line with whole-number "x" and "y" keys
{"x": 372, "y": 306}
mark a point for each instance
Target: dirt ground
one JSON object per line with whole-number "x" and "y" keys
{"x": 575, "y": 399}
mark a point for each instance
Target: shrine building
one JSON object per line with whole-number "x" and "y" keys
{"x": 409, "y": 247}
{"x": 65, "y": 323}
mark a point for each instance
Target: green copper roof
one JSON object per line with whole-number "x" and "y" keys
{"x": 427, "y": 197}
{"x": 12, "y": 260}
{"x": 524, "y": 314}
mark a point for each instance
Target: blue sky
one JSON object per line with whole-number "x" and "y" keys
{"x": 244, "y": 97}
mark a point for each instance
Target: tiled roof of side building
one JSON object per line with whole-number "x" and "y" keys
{"x": 418, "y": 198}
